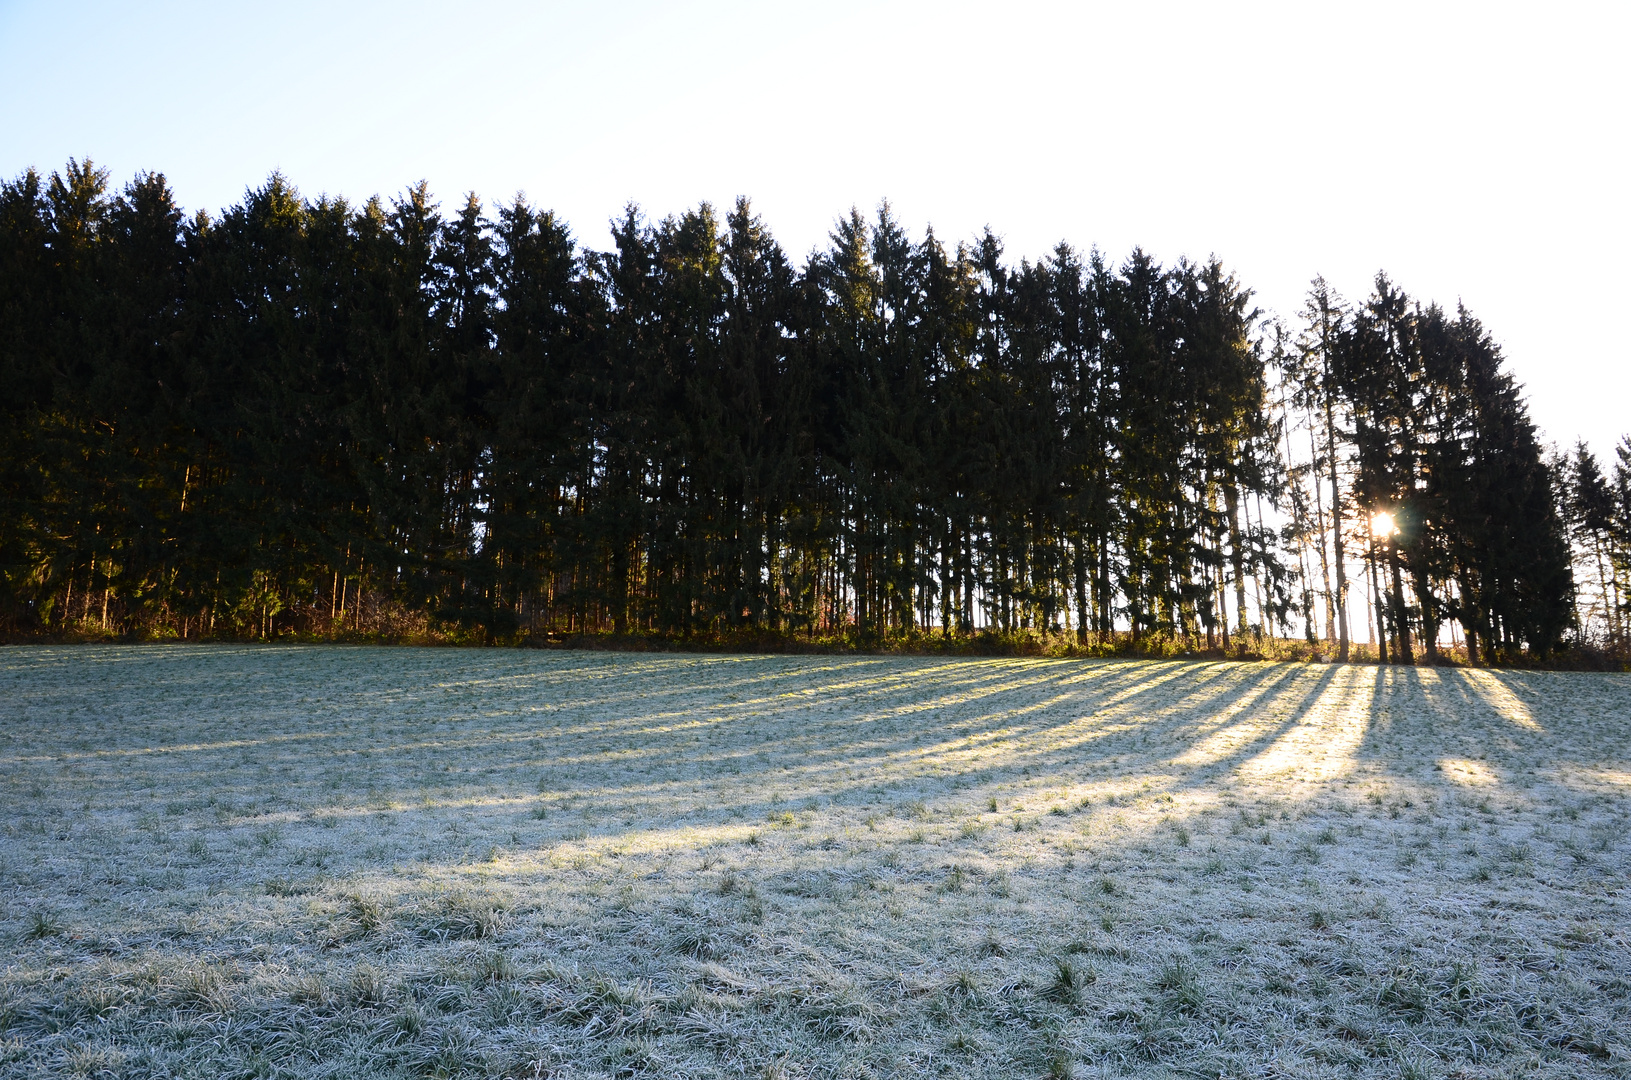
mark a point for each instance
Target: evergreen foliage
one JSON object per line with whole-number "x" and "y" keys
{"x": 313, "y": 416}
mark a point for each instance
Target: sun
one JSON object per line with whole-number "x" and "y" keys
{"x": 1381, "y": 524}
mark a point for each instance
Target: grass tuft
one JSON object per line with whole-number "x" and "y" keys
{"x": 1180, "y": 985}
{"x": 42, "y": 925}
{"x": 1069, "y": 982}
{"x": 458, "y": 916}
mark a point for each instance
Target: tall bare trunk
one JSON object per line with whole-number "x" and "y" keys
{"x": 1325, "y": 563}
{"x": 1336, "y": 509}
{"x": 1377, "y": 599}
{"x": 1231, "y": 503}
{"x": 1401, "y": 623}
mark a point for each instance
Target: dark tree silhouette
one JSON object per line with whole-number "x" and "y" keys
{"x": 335, "y": 419}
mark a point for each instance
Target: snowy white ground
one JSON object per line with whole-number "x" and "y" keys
{"x": 346, "y": 862}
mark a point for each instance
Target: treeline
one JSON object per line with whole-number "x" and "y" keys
{"x": 317, "y": 417}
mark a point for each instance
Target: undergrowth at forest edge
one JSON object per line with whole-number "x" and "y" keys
{"x": 401, "y": 627}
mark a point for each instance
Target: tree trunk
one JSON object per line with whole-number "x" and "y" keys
{"x": 1079, "y": 573}
{"x": 1231, "y": 503}
{"x": 1325, "y": 562}
{"x": 1336, "y": 518}
{"x": 1377, "y": 604}
{"x": 1429, "y": 618}
{"x": 1401, "y": 622}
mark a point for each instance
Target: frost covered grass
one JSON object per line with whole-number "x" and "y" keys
{"x": 348, "y": 862}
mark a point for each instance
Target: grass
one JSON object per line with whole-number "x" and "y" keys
{"x": 342, "y": 861}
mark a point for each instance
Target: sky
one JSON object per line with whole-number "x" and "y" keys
{"x": 1475, "y": 152}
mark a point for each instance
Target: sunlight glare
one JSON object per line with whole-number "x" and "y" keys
{"x": 1499, "y": 697}
{"x": 1466, "y": 772}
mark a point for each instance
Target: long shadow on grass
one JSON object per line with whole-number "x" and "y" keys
{"x": 1053, "y": 719}
{"x": 363, "y": 747}
{"x": 272, "y": 732}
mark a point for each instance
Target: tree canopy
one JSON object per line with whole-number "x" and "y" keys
{"x": 311, "y": 415}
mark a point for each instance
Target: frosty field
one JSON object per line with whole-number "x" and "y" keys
{"x": 346, "y": 862}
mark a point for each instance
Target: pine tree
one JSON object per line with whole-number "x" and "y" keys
{"x": 1590, "y": 501}
{"x": 1315, "y": 379}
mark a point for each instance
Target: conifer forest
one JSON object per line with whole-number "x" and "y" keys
{"x": 318, "y": 418}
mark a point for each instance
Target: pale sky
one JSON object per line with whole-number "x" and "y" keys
{"x": 1474, "y": 151}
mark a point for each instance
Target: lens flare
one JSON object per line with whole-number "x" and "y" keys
{"x": 1381, "y": 524}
